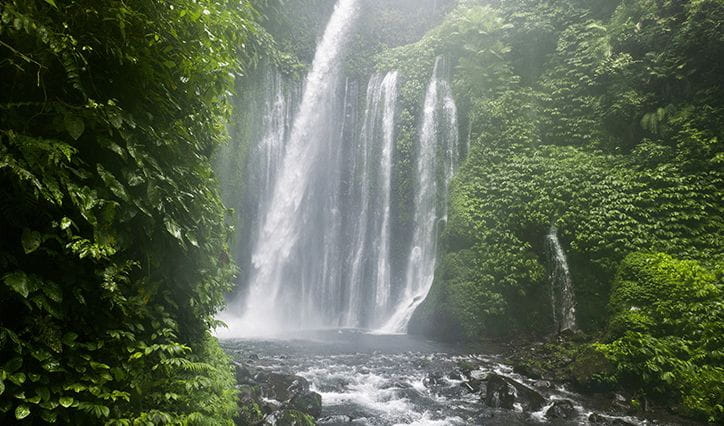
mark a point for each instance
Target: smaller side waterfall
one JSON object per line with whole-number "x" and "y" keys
{"x": 563, "y": 301}
{"x": 368, "y": 270}
{"x": 438, "y": 155}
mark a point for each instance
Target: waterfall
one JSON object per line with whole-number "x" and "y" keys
{"x": 437, "y": 155}
{"x": 287, "y": 257}
{"x": 269, "y": 152}
{"x": 562, "y": 296}
{"x": 382, "y": 273}
{"x": 320, "y": 191}
{"x": 368, "y": 260}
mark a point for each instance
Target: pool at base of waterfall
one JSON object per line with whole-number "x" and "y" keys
{"x": 372, "y": 379}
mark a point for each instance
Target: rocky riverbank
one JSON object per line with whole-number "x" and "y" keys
{"x": 358, "y": 379}
{"x": 571, "y": 361}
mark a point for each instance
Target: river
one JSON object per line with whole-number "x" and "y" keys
{"x": 372, "y": 379}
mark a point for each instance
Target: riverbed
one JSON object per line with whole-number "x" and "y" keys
{"x": 371, "y": 379}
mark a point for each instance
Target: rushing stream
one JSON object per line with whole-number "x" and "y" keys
{"x": 372, "y": 379}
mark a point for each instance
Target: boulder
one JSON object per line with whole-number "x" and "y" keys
{"x": 288, "y": 418}
{"x": 250, "y": 413}
{"x": 281, "y": 387}
{"x": 244, "y": 375}
{"x": 307, "y": 402}
{"x": 504, "y": 392}
{"x": 333, "y": 385}
{"x": 472, "y": 385}
{"x": 543, "y": 384}
{"x": 588, "y": 367}
{"x": 433, "y": 379}
{"x": 249, "y": 393}
{"x": 598, "y": 419}
{"x": 529, "y": 368}
{"x": 269, "y": 406}
{"x": 454, "y": 375}
{"x": 561, "y": 409}
{"x": 339, "y": 420}
{"x": 466, "y": 366}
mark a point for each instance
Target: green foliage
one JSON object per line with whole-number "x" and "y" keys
{"x": 666, "y": 331}
{"x": 601, "y": 120}
{"x": 113, "y": 258}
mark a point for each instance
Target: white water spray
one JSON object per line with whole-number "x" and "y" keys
{"x": 273, "y": 302}
{"x": 438, "y": 149}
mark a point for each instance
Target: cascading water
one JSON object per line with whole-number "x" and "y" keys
{"x": 437, "y": 154}
{"x": 562, "y": 295}
{"x": 321, "y": 189}
{"x": 286, "y": 276}
{"x": 269, "y": 152}
{"x": 368, "y": 260}
{"x": 321, "y": 254}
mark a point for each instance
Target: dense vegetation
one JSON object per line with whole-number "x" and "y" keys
{"x": 113, "y": 256}
{"x": 666, "y": 331}
{"x": 605, "y": 121}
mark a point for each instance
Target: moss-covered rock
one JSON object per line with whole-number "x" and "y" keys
{"x": 666, "y": 334}
{"x": 250, "y": 413}
{"x": 591, "y": 369}
{"x": 290, "y": 418}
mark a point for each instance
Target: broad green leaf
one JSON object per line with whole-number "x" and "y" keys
{"x": 69, "y": 338}
{"x": 66, "y": 401}
{"x": 53, "y": 291}
{"x": 18, "y": 281}
{"x": 192, "y": 239}
{"x": 113, "y": 184}
{"x": 44, "y": 393}
{"x": 31, "y": 240}
{"x": 17, "y": 378}
{"x": 2, "y": 387}
{"x": 65, "y": 223}
{"x": 173, "y": 228}
{"x": 22, "y": 412}
{"x": 13, "y": 365}
{"x": 52, "y": 3}
{"x": 74, "y": 125}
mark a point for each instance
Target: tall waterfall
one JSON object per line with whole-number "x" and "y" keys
{"x": 562, "y": 295}
{"x": 319, "y": 212}
{"x": 287, "y": 257}
{"x": 437, "y": 157}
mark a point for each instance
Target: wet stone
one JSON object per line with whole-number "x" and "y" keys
{"x": 504, "y": 392}
{"x": 561, "y": 409}
{"x": 281, "y": 387}
{"x": 433, "y": 379}
{"x": 472, "y": 385}
{"x": 269, "y": 406}
{"x": 288, "y": 418}
{"x": 333, "y": 385}
{"x": 598, "y": 419}
{"x": 543, "y": 384}
{"x": 307, "y": 402}
{"x": 244, "y": 375}
{"x": 335, "y": 420}
{"x": 455, "y": 375}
